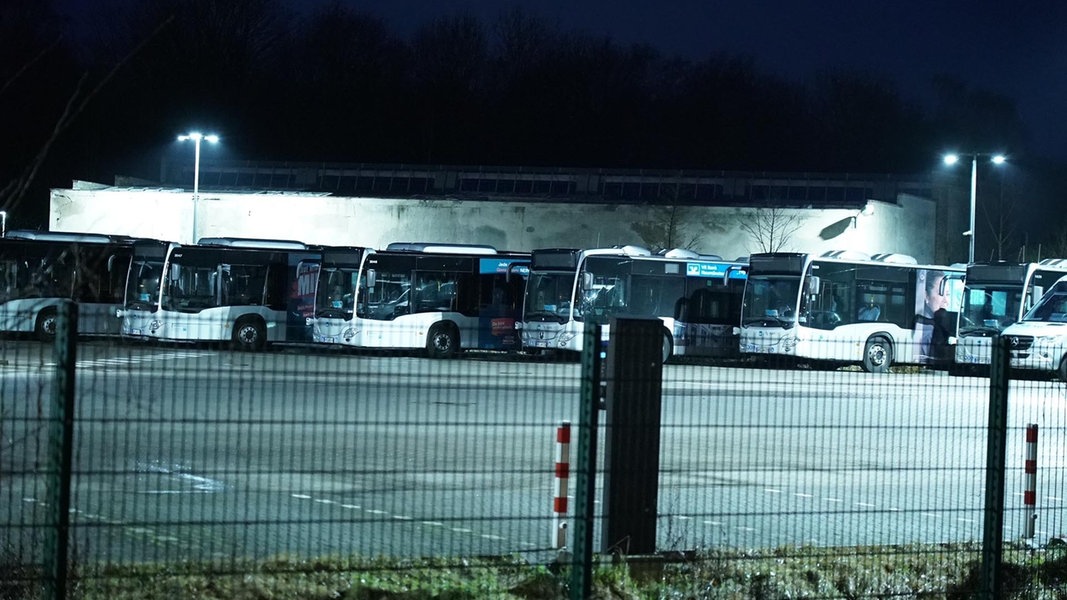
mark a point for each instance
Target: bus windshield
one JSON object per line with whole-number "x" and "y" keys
{"x": 548, "y": 296}
{"x": 335, "y": 293}
{"x": 142, "y": 292}
{"x": 989, "y": 309}
{"x": 770, "y": 300}
{"x": 1052, "y": 307}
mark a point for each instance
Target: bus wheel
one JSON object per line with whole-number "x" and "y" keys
{"x": 249, "y": 335}
{"x": 45, "y": 328}
{"x": 443, "y": 341}
{"x": 1062, "y": 370}
{"x": 877, "y": 355}
{"x": 668, "y": 347}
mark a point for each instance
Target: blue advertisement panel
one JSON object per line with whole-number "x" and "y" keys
{"x": 301, "y": 300}
{"x": 718, "y": 270}
{"x": 496, "y": 318}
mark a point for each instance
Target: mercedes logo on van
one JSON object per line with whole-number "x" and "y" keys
{"x": 1014, "y": 341}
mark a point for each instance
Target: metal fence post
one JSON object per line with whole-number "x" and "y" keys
{"x": 632, "y": 435}
{"x": 996, "y": 440}
{"x": 61, "y": 447}
{"x": 585, "y": 473}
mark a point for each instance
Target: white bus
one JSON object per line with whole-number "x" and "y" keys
{"x": 1039, "y": 340}
{"x": 245, "y": 292}
{"x": 443, "y": 298}
{"x": 995, "y": 295}
{"x": 843, "y": 307}
{"x": 698, "y": 297}
{"x": 39, "y": 270}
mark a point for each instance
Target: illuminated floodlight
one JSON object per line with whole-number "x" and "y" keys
{"x": 952, "y": 159}
{"x": 196, "y": 137}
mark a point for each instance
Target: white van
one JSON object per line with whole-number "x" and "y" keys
{"x": 1039, "y": 340}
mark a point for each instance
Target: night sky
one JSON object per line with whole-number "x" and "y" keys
{"x": 1015, "y": 49}
{"x": 1003, "y": 56}
{"x": 1018, "y": 50}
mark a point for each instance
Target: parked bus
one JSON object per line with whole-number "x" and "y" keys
{"x": 845, "y": 307}
{"x": 443, "y": 298}
{"x": 995, "y": 295}
{"x": 1038, "y": 342}
{"x": 39, "y": 270}
{"x": 698, "y": 297}
{"x": 246, "y": 292}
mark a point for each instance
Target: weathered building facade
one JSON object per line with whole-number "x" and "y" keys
{"x": 728, "y": 214}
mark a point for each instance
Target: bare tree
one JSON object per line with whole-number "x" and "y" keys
{"x": 672, "y": 222}
{"x": 667, "y": 228}
{"x": 771, "y": 228}
{"x": 1001, "y": 217}
{"x": 14, "y": 191}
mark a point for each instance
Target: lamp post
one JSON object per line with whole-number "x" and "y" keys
{"x": 197, "y": 137}
{"x": 951, "y": 159}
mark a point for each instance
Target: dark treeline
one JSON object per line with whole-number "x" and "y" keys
{"x": 93, "y": 99}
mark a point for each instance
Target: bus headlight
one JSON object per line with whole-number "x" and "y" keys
{"x": 309, "y": 321}
{"x": 119, "y": 313}
{"x": 518, "y": 324}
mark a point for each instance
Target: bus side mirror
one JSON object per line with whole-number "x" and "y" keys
{"x": 372, "y": 277}
{"x": 587, "y": 281}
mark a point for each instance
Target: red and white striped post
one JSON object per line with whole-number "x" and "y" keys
{"x": 1030, "y": 483}
{"x": 559, "y": 501}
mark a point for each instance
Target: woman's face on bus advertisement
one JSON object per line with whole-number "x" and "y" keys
{"x": 936, "y": 295}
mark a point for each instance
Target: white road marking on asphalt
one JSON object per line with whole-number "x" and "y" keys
{"x": 833, "y": 499}
{"x": 772, "y": 491}
{"x": 931, "y": 515}
{"x": 301, "y": 496}
{"x": 802, "y": 495}
{"x": 351, "y": 506}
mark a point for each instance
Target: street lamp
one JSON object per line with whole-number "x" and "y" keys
{"x": 196, "y": 137}
{"x": 951, "y": 159}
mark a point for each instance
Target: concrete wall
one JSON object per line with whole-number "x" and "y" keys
{"x": 907, "y": 226}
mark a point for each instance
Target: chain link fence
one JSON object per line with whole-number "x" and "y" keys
{"x": 116, "y": 458}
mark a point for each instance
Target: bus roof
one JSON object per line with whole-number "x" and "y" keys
{"x": 252, "y": 243}
{"x": 434, "y": 248}
{"x": 63, "y": 236}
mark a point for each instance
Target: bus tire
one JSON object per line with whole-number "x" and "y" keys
{"x": 668, "y": 346}
{"x": 249, "y": 334}
{"x": 45, "y": 326}
{"x": 1061, "y": 371}
{"x": 877, "y": 355}
{"x": 442, "y": 341}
